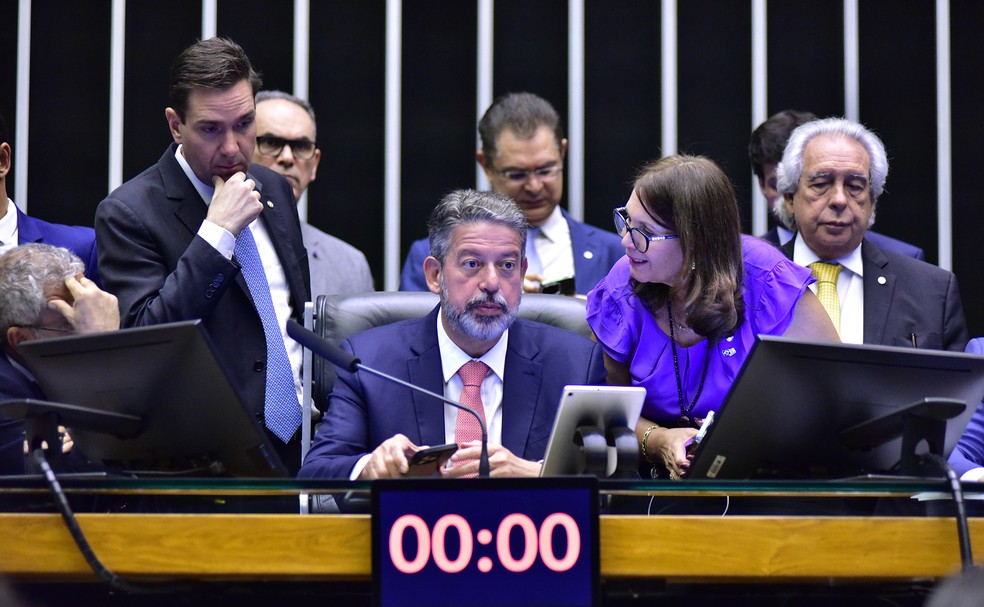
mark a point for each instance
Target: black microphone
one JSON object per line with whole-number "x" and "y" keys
{"x": 342, "y": 359}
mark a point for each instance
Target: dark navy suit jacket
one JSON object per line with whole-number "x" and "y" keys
{"x": 13, "y": 385}
{"x": 969, "y": 452}
{"x": 886, "y": 243}
{"x": 595, "y": 252}
{"x": 905, "y": 298}
{"x": 365, "y": 410}
{"x": 80, "y": 240}
{"x": 152, "y": 259}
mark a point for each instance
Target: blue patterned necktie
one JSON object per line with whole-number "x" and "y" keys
{"x": 281, "y": 408}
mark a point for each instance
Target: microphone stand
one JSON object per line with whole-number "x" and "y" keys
{"x": 343, "y": 360}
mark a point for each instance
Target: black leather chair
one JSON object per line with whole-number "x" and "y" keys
{"x": 338, "y": 317}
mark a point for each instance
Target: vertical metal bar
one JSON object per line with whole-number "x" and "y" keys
{"x": 669, "y": 81}
{"x": 391, "y": 195}
{"x": 760, "y": 101}
{"x": 483, "y": 84}
{"x": 575, "y": 101}
{"x": 23, "y": 102}
{"x": 116, "y": 64}
{"x": 852, "y": 78}
{"x": 302, "y": 58}
{"x": 210, "y": 18}
{"x": 944, "y": 195}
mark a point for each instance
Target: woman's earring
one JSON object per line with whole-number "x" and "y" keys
{"x": 693, "y": 266}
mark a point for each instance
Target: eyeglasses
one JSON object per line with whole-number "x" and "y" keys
{"x": 545, "y": 174}
{"x": 272, "y": 146}
{"x": 640, "y": 239}
{"x": 52, "y": 329}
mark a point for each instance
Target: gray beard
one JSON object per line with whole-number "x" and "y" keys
{"x": 473, "y": 326}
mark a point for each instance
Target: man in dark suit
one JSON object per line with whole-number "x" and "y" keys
{"x": 167, "y": 238}
{"x": 43, "y": 293}
{"x": 765, "y": 150}
{"x": 831, "y": 175}
{"x": 522, "y": 154}
{"x": 372, "y": 426}
{"x": 17, "y": 227}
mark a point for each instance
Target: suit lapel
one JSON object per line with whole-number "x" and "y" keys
{"x": 424, "y": 370}
{"x": 584, "y": 248}
{"x": 879, "y": 288}
{"x": 27, "y": 228}
{"x": 521, "y": 385}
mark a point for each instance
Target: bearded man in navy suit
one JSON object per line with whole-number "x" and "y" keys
{"x": 477, "y": 263}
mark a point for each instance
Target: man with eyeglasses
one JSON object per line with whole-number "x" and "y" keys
{"x": 522, "y": 154}
{"x": 286, "y": 133}
{"x": 43, "y": 294}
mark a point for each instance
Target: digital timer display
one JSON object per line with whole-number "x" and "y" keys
{"x": 509, "y": 542}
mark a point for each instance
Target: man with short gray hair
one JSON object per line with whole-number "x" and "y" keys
{"x": 477, "y": 263}
{"x": 43, "y": 293}
{"x": 831, "y": 175}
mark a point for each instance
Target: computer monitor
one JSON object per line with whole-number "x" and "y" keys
{"x": 193, "y": 420}
{"x": 790, "y": 405}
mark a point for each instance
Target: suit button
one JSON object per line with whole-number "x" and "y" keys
{"x": 258, "y": 366}
{"x": 259, "y": 417}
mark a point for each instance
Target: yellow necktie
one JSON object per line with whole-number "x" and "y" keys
{"x": 826, "y": 275}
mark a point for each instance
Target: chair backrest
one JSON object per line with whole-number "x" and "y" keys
{"x": 338, "y": 317}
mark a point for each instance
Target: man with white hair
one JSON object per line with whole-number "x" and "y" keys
{"x": 831, "y": 175}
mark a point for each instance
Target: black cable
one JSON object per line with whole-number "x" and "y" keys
{"x": 963, "y": 531}
{"x": 115, "y": 582}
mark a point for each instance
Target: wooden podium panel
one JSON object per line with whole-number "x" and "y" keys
{"x": 337, "y": 547}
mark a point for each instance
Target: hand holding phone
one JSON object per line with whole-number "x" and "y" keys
{"x": 426, "y": 462}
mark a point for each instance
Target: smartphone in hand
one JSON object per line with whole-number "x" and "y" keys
{"x": 427, "y": 461}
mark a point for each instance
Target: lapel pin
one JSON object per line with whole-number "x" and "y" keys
{"x": 588, "y": 254}
{"x": 270, "y": 203}
{"x": 881, "y": 280}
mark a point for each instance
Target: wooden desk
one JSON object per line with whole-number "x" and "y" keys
{"x": 337, "y": 547}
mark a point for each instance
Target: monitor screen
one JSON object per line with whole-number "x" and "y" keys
{"x": 785, "y": 413}
{"x": 193, "y": 420}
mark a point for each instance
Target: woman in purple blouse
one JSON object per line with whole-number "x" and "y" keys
{"x": 679, "y": 313}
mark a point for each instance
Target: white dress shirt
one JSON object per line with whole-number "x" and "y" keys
{"x": 8, "y": 228}
{"x": 225, "y": 243}
{"x": 553, "y": 246}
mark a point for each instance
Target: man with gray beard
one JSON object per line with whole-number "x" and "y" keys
{"x": 476, "y": 265}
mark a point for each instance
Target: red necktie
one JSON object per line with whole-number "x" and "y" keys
{"x": 467, "y": 428}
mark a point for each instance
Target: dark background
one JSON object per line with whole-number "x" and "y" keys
{"x": 69, "y": 103}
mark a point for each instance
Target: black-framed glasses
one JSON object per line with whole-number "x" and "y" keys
{"x": 640, "y": 238}
{"x": 545, "y": 174}
{"x": 272, "y": 146}
{"x": 52, "y": 329}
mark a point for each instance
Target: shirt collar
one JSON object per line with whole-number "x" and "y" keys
{"x": 555, "y": 226}
{"x": 8, "y": 226}
{"x": 205, "y": 190}
{"x": 452, "y": 357}
{"x": 803, "y": 255}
